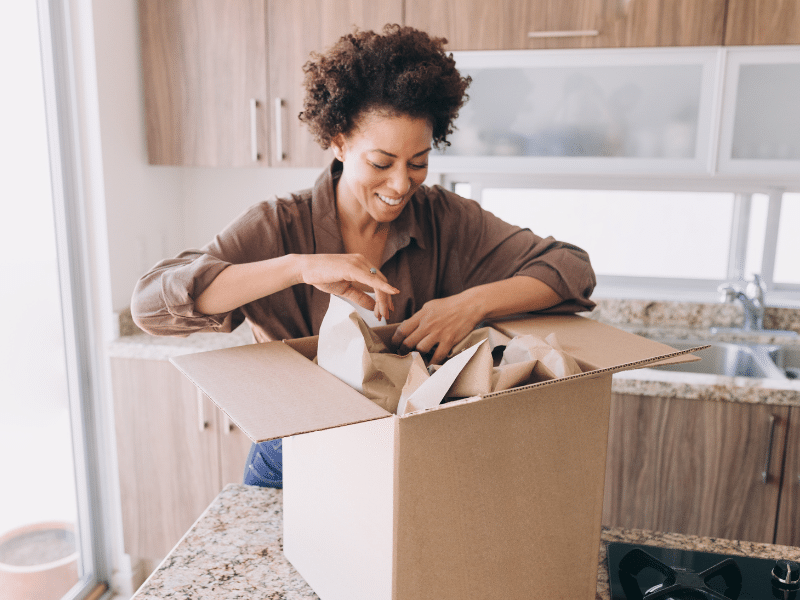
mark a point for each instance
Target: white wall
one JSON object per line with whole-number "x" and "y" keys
{"x": 143, "y": 203}
{"x": 214, "y": 197}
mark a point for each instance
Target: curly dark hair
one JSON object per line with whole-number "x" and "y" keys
{"x": 404, "y": 71}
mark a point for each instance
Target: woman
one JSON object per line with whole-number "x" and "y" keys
{"x": 437, "y": 263}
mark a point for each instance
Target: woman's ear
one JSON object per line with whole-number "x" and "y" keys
{"x": 338, "y": 147}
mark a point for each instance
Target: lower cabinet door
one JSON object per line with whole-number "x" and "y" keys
{"x": 695, "y": 467}
{"x": 788, "y": 530}
{"x": 168, "y": 454}
{"x": 234, "y": 447}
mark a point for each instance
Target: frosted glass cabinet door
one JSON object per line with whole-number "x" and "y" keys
{"x": 761, "y": 126}
{"x": 618, "y": 110}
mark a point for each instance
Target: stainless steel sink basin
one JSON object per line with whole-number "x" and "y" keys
{"x": 736, "y": 359}
{"x": 787, "y": 358}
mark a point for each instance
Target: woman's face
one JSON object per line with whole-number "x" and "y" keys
{"x": 385, "y": 161}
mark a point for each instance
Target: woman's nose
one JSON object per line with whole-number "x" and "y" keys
{"x": 400, "y": 182}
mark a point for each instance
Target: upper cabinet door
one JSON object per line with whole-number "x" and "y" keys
{"x": 534, "y": 24}
{"x": 295, "y": 30}
{"x": 762, "y": 22}
{"x": 612, "y": 110}
{"x": 760, "y": 124}
{"x": 205, "y": 81}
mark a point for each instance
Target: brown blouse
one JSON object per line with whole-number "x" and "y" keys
{"x": 440, "y": 245}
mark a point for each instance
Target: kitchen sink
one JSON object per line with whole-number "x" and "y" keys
{"x": 738, "y": 359}
{"x": 787, "y": 358}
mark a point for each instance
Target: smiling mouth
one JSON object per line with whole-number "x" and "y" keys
{"x": 390, "y": 201}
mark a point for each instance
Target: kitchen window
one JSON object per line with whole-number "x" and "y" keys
{"x": 627, "y": 233}
{"x": 787, "y": 253}
{"x": 676, "y": 244}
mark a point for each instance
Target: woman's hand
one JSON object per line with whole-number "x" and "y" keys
{"x": 341, "y": 274}
{"x": 445, "y": 322}
{"x": 439, "y": 324}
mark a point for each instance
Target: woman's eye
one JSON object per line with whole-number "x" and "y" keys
{"x": 413, "y": 166}
{"x": 381, "y": 167}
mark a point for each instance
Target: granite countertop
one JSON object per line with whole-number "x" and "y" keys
{"x": 670, "y": 320}
{"x": 235, "y": 550}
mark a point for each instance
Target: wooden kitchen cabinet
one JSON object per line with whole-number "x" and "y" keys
{"x": 174, "y": 456}
{"x": 208, "y": 98}
{"x": 787, "y": 532}
{"x": 297, "y": 29}
{"x": 205, "y": 81}
{"x": 694, "y": 467}
{"x": 534, "y": 24}
{"x": 234, "y": 446}
{"x": 762, "y": 22}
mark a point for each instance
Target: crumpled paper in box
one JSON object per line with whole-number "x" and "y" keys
{"x": 351, "y": 351}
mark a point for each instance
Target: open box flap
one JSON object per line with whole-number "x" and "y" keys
{"x": 593, "y": 343}
{"x": 270, "y": 390}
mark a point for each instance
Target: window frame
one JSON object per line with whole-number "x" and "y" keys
{"x": 704, "y": 290}
{"x": 78, "y": 297}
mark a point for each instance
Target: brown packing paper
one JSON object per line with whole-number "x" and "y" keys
{"x": 353, "y": 352}
{"x": 477, "y": 377}
{"x": 553, "y": 361}
{"x": 417, "y": 375}
{"x": 434, "y": 389}
{"x": 525, "y": 359}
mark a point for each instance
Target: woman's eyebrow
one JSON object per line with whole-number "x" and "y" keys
{"x": 395, "y": 156}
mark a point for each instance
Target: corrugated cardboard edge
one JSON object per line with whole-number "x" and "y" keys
{"x": 593, "y": 342}
{"x": 593, "y": 373}
{"x": 352, "y": 406}
{"x": 626, "y": 367}
{"x": 257, "y": 441}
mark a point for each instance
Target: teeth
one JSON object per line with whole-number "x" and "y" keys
{"x": 390, "y": 201}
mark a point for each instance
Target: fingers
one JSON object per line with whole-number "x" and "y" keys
{"x": 361, "y": 298}
{"x": 380, "y": 284}
{"x": 326, "y": 269}
{"x": 400, "y": 338}
{"x": 442, "y": 350}
{"x": 410, "y": 336}
{"x": 384, "y": 305}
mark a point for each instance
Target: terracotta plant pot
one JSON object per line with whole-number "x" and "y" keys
{"x": 38, "y": 562}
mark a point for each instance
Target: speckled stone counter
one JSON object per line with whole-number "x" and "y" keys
{"x": 671, "y": 320}
{"x": 235, "y": 550}
{"x": 149, "y": 347}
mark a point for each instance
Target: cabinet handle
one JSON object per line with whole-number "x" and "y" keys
{"x": 564, "y": 34}
{"x": 201, "y": 412}
{"x": 279, "y": 153}
{"x": 227, "y": 425}
{"x": 768, "y": 458}
{"x": 254, "y": 130}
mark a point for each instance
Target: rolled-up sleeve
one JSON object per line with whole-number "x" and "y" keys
{"x": 163, "y": 301}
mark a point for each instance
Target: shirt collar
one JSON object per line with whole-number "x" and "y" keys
{"x": 328, "y": 236}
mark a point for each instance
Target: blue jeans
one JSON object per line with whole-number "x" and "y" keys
{"x": 264, "y": 467}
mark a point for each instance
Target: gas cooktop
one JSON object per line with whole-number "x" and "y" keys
{"x": 639, "y": 572}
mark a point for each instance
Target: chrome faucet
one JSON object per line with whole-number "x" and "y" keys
{"x": 752, "y": 298}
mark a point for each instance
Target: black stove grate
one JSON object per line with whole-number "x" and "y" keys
{"x": 641, "y": 572}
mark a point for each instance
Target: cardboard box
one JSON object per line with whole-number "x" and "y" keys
{"x": 495, "y": 497}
